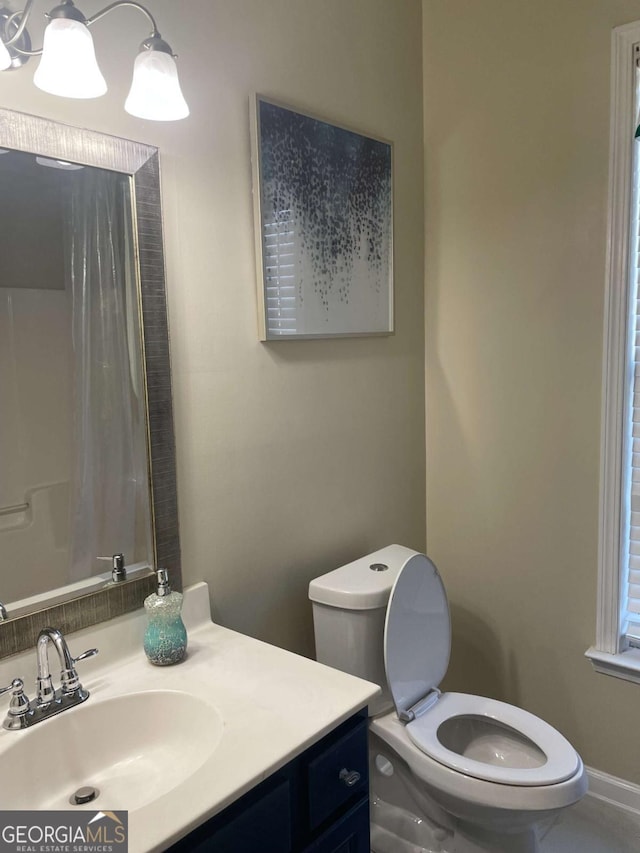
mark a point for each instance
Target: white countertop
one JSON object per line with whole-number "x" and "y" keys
{"x": 273, "y": 704}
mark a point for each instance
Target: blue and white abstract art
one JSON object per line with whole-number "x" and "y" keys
{"x": 324, "y": 227}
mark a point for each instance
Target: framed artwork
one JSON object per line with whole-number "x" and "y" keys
{"x": 323, "y": 202}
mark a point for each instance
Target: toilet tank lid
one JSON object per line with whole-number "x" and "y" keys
{"x": 364, "y": 584}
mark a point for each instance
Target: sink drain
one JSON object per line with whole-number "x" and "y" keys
{"x": 84, "y": 795}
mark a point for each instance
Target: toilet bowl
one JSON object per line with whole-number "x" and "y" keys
{"x": 484, "y": 775}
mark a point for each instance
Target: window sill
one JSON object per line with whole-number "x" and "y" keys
{"x": 623, "y": 665}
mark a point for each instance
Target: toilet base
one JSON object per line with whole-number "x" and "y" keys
{"x": 406, "y": 819}
{"x": 488, "y": 842}
{"x": 397, "y": 830}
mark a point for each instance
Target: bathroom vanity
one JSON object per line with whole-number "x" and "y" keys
{"x": 313, "y": 804}
{"x": 242, "y": 747}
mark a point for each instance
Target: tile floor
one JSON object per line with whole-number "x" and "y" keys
{"x": 594, "y": 825}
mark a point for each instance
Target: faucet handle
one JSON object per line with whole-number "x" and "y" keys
{"x": 88, "y": 654}
{"x": 69, "y": 681}
{"x": 18, "y": 706}
{"x": 16, "y": 684}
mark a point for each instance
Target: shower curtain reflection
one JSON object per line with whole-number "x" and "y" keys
{"x": 110, "y": 510}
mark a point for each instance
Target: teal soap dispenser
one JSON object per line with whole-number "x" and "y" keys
{"x": 165, "y": 640}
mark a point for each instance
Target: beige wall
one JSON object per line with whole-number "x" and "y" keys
{"x": 293, "y": 457}
{"x": 516, "y": 136}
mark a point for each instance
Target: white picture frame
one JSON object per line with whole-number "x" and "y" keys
{"x": 323, "y": 205}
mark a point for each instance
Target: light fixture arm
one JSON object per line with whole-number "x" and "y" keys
{"x": 66, "y": 9}
{"x": 116, "y": 4}
{"x": 153, "y": 42}
{"x": 24, "y": 17}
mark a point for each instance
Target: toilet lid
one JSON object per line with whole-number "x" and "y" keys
{"x": 417, "y": 633}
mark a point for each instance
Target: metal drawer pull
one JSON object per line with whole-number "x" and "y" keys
{"x": 349, "y": 777}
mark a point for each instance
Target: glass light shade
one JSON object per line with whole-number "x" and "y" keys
{"x": 68, "y": 66}
{"x": 155, "y": 90}
{"x": 5, "y": 57}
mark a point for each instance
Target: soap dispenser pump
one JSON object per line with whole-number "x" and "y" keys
{"x": 118, "y": 570}
{"x": 165, "y": 640}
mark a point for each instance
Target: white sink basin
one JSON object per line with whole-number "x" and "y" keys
{"x": 132, "y": 748}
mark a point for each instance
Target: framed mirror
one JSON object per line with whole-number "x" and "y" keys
{"x": 87, "y": 449}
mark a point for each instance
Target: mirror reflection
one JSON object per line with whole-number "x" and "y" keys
{"x": 74, "y": 485}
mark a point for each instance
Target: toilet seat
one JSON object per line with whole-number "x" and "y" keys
{"x": 561, "y": 762}
{"x": 450, "y": 783}
{"x": 417, "y": 642}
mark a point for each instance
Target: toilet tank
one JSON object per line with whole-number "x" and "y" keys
{"x": 349, "y": 608}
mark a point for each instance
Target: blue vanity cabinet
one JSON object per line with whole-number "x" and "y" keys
{"x": 317, "y": 803}
{"x": 349, "y": 834}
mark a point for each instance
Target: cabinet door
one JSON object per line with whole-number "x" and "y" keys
{"x": 262, "y": 827}
{"x": 350, "y": 834}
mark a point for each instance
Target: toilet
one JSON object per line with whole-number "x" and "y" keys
{"x": 450, "y": 772}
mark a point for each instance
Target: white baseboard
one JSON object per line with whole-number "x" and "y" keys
{"x": 611, "y": 789}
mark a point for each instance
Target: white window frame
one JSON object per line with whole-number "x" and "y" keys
{"x": 609, "y": 654}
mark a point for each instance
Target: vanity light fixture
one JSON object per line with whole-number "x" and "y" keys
{"x": 68, "y": 65}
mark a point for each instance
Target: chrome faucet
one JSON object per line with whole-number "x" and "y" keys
{"x": 48, "y": 701}
{"x": 70, "y": 686}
